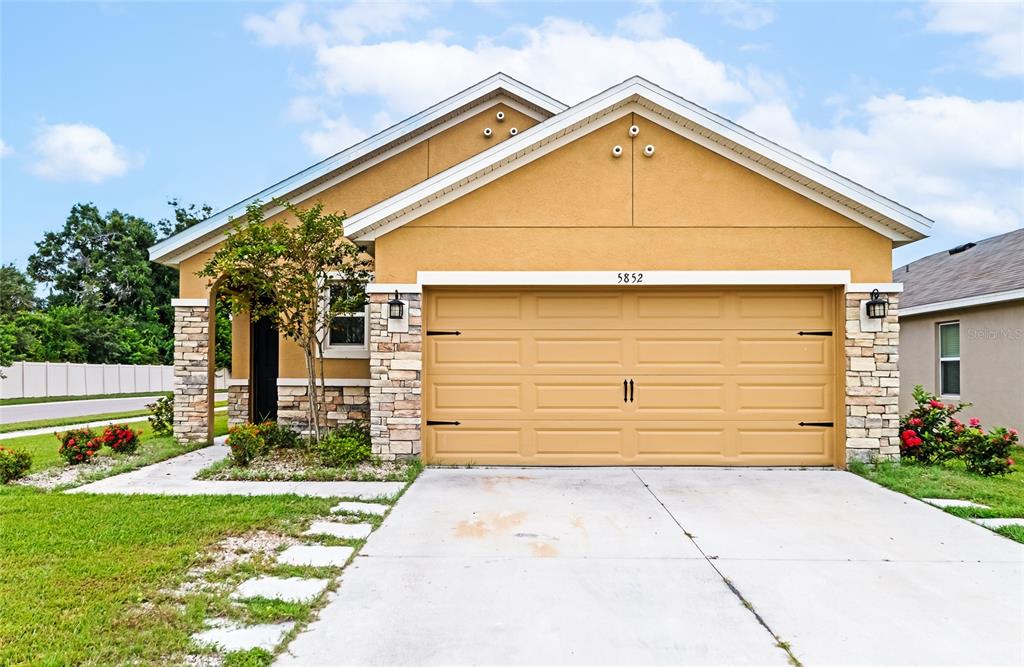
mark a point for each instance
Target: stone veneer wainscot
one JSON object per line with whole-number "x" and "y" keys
{"x": 396, "y": 376}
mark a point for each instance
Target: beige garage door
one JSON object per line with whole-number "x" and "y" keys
{"x": 629, "y": 376}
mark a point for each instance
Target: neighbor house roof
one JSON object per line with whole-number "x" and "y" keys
{"x": 973, "y": 274}
{"x": 851, "y": 199}
{"x": 172, "y": 250}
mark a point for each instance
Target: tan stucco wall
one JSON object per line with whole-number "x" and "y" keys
{"x": 579, "y": 208}
{"x": 354, "y": 194}
{"x": 991, "y": 360}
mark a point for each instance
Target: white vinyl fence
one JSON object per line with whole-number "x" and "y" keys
{"x": 27, "y": 379}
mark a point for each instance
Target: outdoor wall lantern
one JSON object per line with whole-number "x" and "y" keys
{"x": 396, "y": 308}
{"x": 877, "y": 306}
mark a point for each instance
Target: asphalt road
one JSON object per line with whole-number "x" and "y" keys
{"x": 57, "y": 410}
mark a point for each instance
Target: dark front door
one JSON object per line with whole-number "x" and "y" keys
{"x": 264, "y": 340}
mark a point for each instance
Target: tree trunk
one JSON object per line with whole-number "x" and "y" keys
{"x": 314, "y": 400}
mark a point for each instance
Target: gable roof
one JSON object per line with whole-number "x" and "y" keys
{"x": 985, "y": 272}
{"x": 851, "y": 199}
{"x": 173, "y": 249}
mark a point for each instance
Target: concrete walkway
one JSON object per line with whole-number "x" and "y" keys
{"x": 68, "y": 427}
{"x": 617, "y": 566}
{"x": 176, "y": 477}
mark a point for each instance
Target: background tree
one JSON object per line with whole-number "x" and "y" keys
{"x": 17, "y": 291}
{"x": 282, "y": 272}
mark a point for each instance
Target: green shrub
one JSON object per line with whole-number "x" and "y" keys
{"x": 346, "y": 446}
{"x": 162, "y": 419}
{"x": 13, "y": 464}
{"x": 279, "y": 437}
{"x": 79, "y": 445}
{"x": 246, "y": 442}
{"x": 987, "y": 453}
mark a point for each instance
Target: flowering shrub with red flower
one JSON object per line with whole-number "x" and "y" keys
{"x": 926, "y": 433}
{"x": 931, "y": 434}
{"x": 120, "y": 438}
{"x": 247, "y": 441}
{"x": 78, "y": 446}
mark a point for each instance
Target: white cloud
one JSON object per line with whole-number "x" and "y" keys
{"x": 5, "y": 149}
{"x": 333, "y": 135}
{"x": 406, "y": 76}
{"x": 649, "y": 21}
{"x": 742, "y": 15}
{"x": 351, "y": 24}
{"x": 955, "y": 160}
{"x": 79, "y": 152}
{"x": 997, "y": 26}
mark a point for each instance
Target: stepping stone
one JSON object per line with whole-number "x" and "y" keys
{"x": 362, "y": 508}
{"x": 999, "y": 522}
{"x": 239, "y": 638}
{"x": 315, "y": 556}
{"x": 345, "y": 531}
{"x": 952, "y": 502}
{"x": 291, "y": 589}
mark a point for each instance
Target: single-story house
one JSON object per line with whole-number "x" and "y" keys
{"x": 631, "y": 280}
{"x": 962, "y": 328}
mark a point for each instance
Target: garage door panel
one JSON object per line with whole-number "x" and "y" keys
{"x": 575, "y": 306}
{"x": 800, "y": 399}
{"x": 813, "y": 308}
{"x": 778, "y": 440}
{"x": 474, "y": 396}
{"x": 578, "y": 440}
{"x": 480, "y": 306}
{"x": 601, "y": 396}
{"x": 677, "y": 440}
{"x": 682, "y": 398}
{"x": 481, "y": 440}
{"x": 672, "y": 306}
{"x": 557, "y": 351}
{"x": 778, "y": 353}
{"x": 466, "y": 353}
{"x": 678, "y": 352}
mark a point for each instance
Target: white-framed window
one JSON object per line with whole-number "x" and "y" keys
{"x": 949, "y": 358}
{"x": 349, "y": 334}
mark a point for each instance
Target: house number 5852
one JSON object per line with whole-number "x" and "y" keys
{"x": 628, "y": 278}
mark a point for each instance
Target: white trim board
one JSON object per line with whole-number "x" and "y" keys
{"x": 190, "y": 303}
{"x": 497, "y": 88}
{"x": 649, "y": 278}
{"x": 640, "y": 96}
{"x": 966, "y": 302}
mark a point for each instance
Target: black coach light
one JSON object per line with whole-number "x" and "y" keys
{"x": 877, "y": 306}
{"x": 396, "y": 308}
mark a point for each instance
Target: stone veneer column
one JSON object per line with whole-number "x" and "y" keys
{"x": 191, "y": 370}
{"x": 872, "y": 381}
{"x": 238, "y": 403}
{"x": 396, "y": 374}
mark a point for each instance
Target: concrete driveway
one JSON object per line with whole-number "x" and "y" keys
{"x": 670, "y": 565}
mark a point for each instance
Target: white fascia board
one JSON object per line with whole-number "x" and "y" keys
{"x": 649, "y": 278}
{"x": 409, "y": 203}
{"x": 966, "y": 302}
{"x": 497, "y": 82}
{"x": 884, "y": 288}
{"x": 190, "y": 303}
{"x": 388, "y": 288}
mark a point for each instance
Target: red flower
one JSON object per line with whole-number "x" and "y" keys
{"x": 916, "y": 421}
{"x": 936, "y": 404}
{"x": 975, "y": 422}
{"x": 1009, "y": 462}
{"x": 1013, "y": 432}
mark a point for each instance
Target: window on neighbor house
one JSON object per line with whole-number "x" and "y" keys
{"x": 949, "y": 359}
{"x": 348, "y": 331}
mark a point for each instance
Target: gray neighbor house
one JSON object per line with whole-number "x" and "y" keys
{"x": 962, "y": 328}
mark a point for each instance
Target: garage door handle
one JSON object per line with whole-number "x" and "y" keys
{"x": 625, "y": 390}
{"x": 436, "y": 422}
{"x": 444, "y": 333}
{"x": 630, "y": 391}
{"x": 827, "y": 424}
{"x": 813, "y": 333}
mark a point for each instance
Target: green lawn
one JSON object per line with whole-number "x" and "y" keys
{"x": 68, "y": 421}
{"x": 43, "y": 448}
{"x": 1005, "y": 495}
{"x": 80, "y": 572}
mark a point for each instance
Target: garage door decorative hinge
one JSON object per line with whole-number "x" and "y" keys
{"x": 813, "y": 333}
{"x": 436, "y": 422}
{"x": 827, "y": 424}
{"x": 444, "y": 333}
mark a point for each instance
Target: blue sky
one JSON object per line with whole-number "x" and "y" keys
{"x": 127, "y": 105}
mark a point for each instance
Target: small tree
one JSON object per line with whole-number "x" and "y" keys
{"x": 283, "y": 272}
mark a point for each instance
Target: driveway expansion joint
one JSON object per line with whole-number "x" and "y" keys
{"x": 783, "y": 645}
